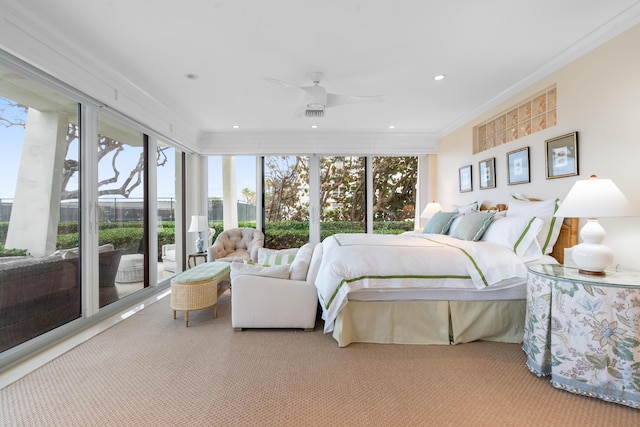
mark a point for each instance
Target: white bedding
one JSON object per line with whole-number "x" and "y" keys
{"x": 411, "y": 262}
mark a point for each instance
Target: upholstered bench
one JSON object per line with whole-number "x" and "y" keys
{"x": 199, "y": 288}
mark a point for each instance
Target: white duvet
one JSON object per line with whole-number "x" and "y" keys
{"x": 352, "y": 262}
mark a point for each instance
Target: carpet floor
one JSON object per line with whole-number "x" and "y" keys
{"x": 149, "y": 370}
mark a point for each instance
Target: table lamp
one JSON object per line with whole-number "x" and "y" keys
{"x": 592, "y": 199}
{"x": 430, "y": 210}
{"x": 198, "y": 225}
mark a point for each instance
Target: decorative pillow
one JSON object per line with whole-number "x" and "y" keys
{"x": 300, "y": 265}
{"x": 276, "y": 257}
{"x": 471, "y": 207}
{"x": 544, "y": 210}
{"x": 517, "y": 234}
{"x": 440, "y": 223}
{"x": 277, "y": 271}
{"x": 473, "y": 225}
{"x": 454, "y": 224}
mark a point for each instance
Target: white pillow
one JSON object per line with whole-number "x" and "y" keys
{"x": 544, "y": 210}
{"x": 277, "y": 271}
{"x": 473, "y": 206}
{"x": 300, "y": 265}
{"x": 517, "y": 234}
{"x": 276, "y": 256}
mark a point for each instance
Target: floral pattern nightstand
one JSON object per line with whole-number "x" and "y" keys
{"x": 585, "y": 331}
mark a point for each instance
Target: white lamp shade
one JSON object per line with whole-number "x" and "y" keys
{"x": 594, "y": 198}
{"x": 430, "y": 210}
{"x": 198, "y": 223}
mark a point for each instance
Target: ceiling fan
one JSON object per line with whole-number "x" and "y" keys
{"x": 316, "y": 99}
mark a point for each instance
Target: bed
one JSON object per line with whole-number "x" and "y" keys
{"x": 424, "y": 288}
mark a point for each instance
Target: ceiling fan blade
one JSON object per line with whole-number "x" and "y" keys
{"x": 334, "y": 100}
{"x": 316, "y": 94}
{"x": 280, "y": 82}
{"x": 299, "y": 112}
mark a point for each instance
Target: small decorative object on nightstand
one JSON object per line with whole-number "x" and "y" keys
{"x": 585, "y": 331}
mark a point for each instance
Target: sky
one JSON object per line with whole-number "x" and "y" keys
{"x": 11, "y": 139}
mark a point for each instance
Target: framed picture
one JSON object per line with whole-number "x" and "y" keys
{"x": 487, "y": 173}
{"x": 465, "y": 179}
{"x": 562, "y": 156}
{"x": 518, "y": 166}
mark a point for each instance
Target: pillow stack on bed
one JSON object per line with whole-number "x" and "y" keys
{"x": 520, "y": 206}
{"x": 528, "y": 227}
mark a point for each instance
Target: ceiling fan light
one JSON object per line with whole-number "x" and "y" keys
{"x": 314, "y": 113}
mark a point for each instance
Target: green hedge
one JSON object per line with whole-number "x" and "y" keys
{"x": 285, "y": 234}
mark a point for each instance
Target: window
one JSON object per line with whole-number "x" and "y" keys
{"x": 39, "y": 221}
{"x": 342, "y": 195}
{"x": 394, "y": 193}
{"x": 232, "y": 182}
{"x": 121, "y": 195}
{"x": 286, "y": 201}
{"x": 166, "y": 209}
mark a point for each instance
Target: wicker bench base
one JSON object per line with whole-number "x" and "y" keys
{"x": 196, "y": 295}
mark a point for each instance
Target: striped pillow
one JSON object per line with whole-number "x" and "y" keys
{"x": 276, "y": 257}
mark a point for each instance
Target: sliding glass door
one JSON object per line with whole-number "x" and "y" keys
{"x": 39, "y": 215}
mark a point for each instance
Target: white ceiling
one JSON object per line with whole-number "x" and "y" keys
{"x": 487, "y": 49}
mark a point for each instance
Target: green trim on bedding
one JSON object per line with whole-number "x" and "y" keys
{"x": 396, "y": 276}
{"x": 551, "y": 228}
{"x": 473, "y": 261}
{"x": 524, "y": 233}
{"x": 369, "y": 244}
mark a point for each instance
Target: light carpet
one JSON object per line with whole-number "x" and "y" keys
{"x": 150, "y": 370}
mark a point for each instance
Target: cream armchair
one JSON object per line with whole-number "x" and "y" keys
{"x": 276, "y": 302}
{"x": 237, "y": 244}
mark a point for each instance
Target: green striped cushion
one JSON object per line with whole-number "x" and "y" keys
{"x": 276, "y": 257}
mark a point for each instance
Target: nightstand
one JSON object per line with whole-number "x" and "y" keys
{"x": 585, "y": 331}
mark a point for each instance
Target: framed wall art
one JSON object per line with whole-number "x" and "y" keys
{"x": 464, "y": 176}
{"x": 487, "y": 173}
{"x": 518, "y": 166}
{"x": 562, "y": 156}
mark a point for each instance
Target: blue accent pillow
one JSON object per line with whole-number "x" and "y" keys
{"x": 439, "y": 223}
{"x": 473, "y": 225}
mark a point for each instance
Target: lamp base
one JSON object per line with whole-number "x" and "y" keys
{"x": 591, "y": 273}
{"x": 592, "y": 258}
{"x": 199, "y": 245}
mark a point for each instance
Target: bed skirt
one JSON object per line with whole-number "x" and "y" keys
{"x": 430, "y": 322}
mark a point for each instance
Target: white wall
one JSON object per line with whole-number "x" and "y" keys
{"x": 598, "y": 96}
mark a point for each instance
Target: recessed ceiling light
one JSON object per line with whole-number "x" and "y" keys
{"x": 236, "y": 126}
{"x": 314, "y": 126}
{"x": 192, "y": 76}
{"x": 392, "y": 126}
{"x": 439, "y": 77}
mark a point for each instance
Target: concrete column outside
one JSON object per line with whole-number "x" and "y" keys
{"x": 36, "y": 206}
{"x": 229, "y": 193}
